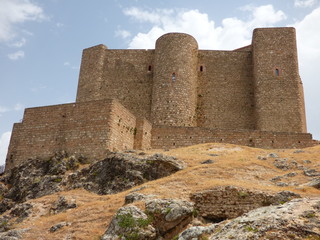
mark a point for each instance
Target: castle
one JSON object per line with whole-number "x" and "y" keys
{"x": 175, "y": 95}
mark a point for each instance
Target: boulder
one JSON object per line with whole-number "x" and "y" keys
{"x": 297, "y": 219}
{"x": 130, "y": 223}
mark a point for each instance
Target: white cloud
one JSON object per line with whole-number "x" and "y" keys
{"x": 304, "y": 3}
{"x": 4, "y": 143}
{"x": 17, "y": 55}
{"x": 13, "y": 12}
{"x": 122, "y": 33}
{"x": 209, "y": 36}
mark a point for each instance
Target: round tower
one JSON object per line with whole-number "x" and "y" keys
{"x": 175, "y": 80}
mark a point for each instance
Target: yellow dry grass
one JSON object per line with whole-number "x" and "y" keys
{"x": 235, "y": 165}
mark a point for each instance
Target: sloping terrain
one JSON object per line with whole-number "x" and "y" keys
{"x": 86, "y": 215}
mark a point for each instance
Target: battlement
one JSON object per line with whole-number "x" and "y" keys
{"x": 175, "y": 95}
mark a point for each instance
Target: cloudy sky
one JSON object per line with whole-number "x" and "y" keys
{"x": 41, "y": 42}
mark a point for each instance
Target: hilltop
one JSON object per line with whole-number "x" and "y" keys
{"x": 204, "y": 187}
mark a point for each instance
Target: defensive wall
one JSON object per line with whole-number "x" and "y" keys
{"x": 90, "y": 128}
{"x": 175, "y": 95}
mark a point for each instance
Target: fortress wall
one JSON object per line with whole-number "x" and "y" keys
{"x": 90, "y": 78}
{"x": 164, "y": 137}
{"x": 125, "y": 75}
{"x": 142, "y": 134}
{"x": 128, "y": 77}
{"x": 121, "y": 127}
{"x": 87, "y": 128}
{"x": 174, "y": 96}
{"x": 278, "y": 88}
{"x": 225, "y": 92}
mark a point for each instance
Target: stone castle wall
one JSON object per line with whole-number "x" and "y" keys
{"x": 225, "y": 90}
{"x": 167, "y": 137}
{"x": 89, "y": 128}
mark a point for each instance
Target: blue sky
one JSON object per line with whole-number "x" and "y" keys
{"x": 41, "y": 42}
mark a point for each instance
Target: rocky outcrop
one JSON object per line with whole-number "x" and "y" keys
{"x": 297, "y": 219}
{"x": 121, "y": 171}
{"x": 130, "y": 223}
{"x": 115, "y": 173}
{"x": 162, "y": 219}
{"x": 228, "y": 202}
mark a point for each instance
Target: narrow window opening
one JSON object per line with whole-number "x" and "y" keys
{"x": 173, "y": 77}
{"x": 201, "y": 68}
{"x": 277, "y": 72}
{"x": 149, "y": 68}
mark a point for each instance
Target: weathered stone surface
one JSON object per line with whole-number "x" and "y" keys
{"x": 169, "y": 216}
{"x": 14, "y": 234}
{"x": 63, "y": 204}
{"x": 273, "y": 155}
{"x": 228, "y": 202}
{"x": 297, "y": 219}
{"x": 311, "y": 173}
{"x": 21, "y": 211}
{"x": 117, "y": 172}
{"x": 133, "y": 197}
{"x": 314, "y": 183}
{"x": 58, "y": 226}
{"x": 197, "y": 232}
{"x": 130, "y": 223}
{"x": 209, "y": 161}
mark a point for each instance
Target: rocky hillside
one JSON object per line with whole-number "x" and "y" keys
{"x": 208, "y": 191}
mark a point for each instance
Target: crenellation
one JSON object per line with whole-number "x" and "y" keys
{"x": 174, "y": 96}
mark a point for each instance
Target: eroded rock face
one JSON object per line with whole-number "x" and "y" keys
{"x": 170, "y": 216}
{"x": 297, "y": 219}
{"x": 121, "y": 171}
{"x": 130, "y": 223}
{"x": 228, "y": 202}
{"x": 162, "y": 219}
{"x": 115, "y": 173}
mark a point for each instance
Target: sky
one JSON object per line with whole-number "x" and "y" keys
{"x": 41, "y": 42}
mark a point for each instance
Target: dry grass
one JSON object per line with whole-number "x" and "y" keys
{"x": 234, "y": 165}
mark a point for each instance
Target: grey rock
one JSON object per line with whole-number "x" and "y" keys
{"x": 14, "y": 234}
{"x": 314, "y": 183}
{"x": 209, "y": 161}
{"x": 262, "y": 158}
{"x": 21, "y": 211}
{"x": 58, "y": 226}
{"x": 274, "y": 222}
{"x": 130, "y": 221}
{"x": 133, "y": 197}
{"x": 283, "y": 164}
{"x": 292, "y": 174}
{"x": 284, "y": 196}
{"x": 311, "y": 173}
{"x": 63, "y": 204}
{"x": 282, "y": 184}
{"x": 196, "y": 232}
{"x": 272, "y": 155}
{"x": 298, "y": 151}
{"x": 213, "y": 155}
{"x": 275, "y": 179}
{"x": 170, "y": 216}
{"x": 307, "y": 161}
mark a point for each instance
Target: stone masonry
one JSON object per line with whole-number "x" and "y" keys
{"x": 175, "y": 95}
